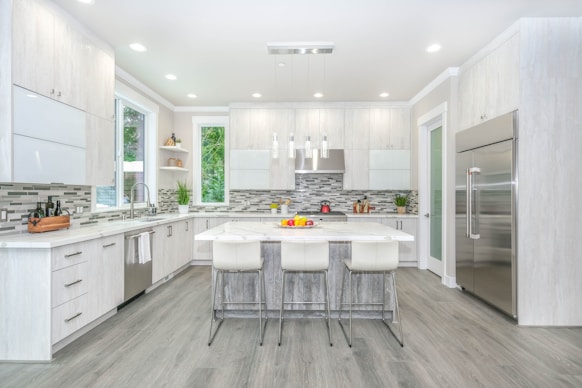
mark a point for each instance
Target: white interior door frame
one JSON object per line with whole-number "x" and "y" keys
{"x": 438, "y": 113}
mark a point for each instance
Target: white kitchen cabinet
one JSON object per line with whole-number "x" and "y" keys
{"x": 71, "y": 266}
{"x": 407, "y": 225}
{"x": 48, "y": 52}
{"x": 172, "y": 248}
{"x": 100, "y": 152}
{"x": 106, "y": 279}
{"x": 239, "y": 128}
{"x": 357, "y": 129}
{"x": 390, "y": 128}
{"x": 250, "y": 169}
{"x": 389, "y": 170}
{"x": 490, "y": 87}
{"x": 357, "y": 166}
{"x": 317, "y": 122}
{"x": 99, "y": 79}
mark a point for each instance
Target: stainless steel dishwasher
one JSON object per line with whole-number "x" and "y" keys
{"x": 137, "y": 276}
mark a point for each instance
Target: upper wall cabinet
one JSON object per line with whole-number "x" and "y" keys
{"x": 490, "y": 87}
{"x": 48, "y": 53}
{"x": 390, "y": 128}
{"x": 317, "y": 123}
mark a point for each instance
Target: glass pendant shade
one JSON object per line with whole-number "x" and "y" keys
{"x": 308, "y": 147}
{"x": 291, "y": 148}
{"x": 275, "y": 147}
{"x": 324, "y": 147}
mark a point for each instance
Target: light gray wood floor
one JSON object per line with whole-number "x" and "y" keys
{"x": 451, "y": 340}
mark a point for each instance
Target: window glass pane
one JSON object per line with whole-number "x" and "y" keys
{"x": 133, "y": 153}
{"x": 130, "y": 145}
{"x": 212, "y": 164}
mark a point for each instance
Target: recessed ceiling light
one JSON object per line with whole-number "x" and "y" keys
{"x": 192, "y": 95}
{"x": 281, "y": 64}
{"x": 86, "y": 1}
{"x": 433, "y": 48}
{"x": 318, "y": 95}
{"x": 171, "y": 77}
{"x": 384, "y": 95}
{"x": 256, "y": 95}
{"x": 138, "y": 47}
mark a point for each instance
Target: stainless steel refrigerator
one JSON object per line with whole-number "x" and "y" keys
{"x": 486, "y": 197}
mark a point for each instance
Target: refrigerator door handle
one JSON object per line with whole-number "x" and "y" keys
{"x": 471, "y": 172}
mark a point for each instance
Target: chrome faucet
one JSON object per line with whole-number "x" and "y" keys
{"x": 131, "y": 210}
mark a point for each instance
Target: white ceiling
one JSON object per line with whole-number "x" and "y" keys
{"x": 217, "y": 48}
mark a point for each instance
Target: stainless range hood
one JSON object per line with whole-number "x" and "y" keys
{"x": 318, "y": 165}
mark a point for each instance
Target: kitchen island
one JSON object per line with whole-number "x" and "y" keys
{"x": 339, "y": 234}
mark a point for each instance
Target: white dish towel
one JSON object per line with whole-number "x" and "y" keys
{"x": 144, "y": 253}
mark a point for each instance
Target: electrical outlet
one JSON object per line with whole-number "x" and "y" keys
{"x": 3, "y": 215}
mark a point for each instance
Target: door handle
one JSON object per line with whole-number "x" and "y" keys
{"x": 471, "y": 172}
{"x": 427, "y": 215}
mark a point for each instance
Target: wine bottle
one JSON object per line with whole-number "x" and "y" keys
{"x": 38, "y": 212}
{"x": 49, "y": 207}
{"x": 58, "y": 210}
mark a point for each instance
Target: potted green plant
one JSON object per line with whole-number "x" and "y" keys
{"x": 274, "y": 207}
{"x": 183, "y": 193}
{"x": 178, "y": 142}
{"x": 401, "y": 201}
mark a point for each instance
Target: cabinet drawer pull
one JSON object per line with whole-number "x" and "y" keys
{"x": 73, "y": 283}
{"x": 67, "y": 320}
{"x": 109, "y": 245}
{"x": 74, "y": 254}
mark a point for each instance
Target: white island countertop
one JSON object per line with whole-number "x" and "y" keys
{"x": 329, "y": 231}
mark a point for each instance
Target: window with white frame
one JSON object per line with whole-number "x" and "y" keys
{"x": 135, "y": 129}
{"x": 211, "y": 170}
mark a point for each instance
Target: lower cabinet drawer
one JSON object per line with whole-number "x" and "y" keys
{"x": 69, "y": 283}
{"x": 69, "y": 317}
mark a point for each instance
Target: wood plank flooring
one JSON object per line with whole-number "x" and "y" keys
{"x": 451, "y": 340}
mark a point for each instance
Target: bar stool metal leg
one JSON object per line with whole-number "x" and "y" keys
{"x": 281, "y": 307}
{"x": 212, "y": 310}
{"x": 395, "y": 313}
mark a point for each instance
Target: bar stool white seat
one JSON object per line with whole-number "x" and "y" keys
{"x": 305, "y": 257}
{"x": 237, "y": 257}
{"x": 372, "y": 257}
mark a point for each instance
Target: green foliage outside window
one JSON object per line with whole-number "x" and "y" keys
{"x": 212, "y": 157}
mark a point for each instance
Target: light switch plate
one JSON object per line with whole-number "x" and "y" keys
{"x": 3, "y": 215}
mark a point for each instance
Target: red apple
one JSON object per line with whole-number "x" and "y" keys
{"x": 291, "y": 222}
{"x": 309, "y": 223}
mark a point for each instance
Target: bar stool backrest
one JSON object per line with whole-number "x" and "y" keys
{"x": 304, "y": 255}
{"x": 236, "y": 255}
{"x": 374, "y": 255}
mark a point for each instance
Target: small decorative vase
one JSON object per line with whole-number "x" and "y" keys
{"x": 401, "y": 209}
{"x": 273, "y": 210}
{"x": 179, "y": 145}
{"x": 183, "y": 209}
{"x": 284, "y": 209}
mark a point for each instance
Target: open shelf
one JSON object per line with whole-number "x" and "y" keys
{"x": 171, "y": 168}
{"x": 174, "y": 149}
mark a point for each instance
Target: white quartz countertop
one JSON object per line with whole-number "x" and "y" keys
{"x": 330, "y": 231}
{"x": 79, "y": 234}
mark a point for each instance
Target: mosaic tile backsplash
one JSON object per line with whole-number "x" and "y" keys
{"x": 19, "y": 199}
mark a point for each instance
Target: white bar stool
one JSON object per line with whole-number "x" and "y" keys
{"x": 374, "y": 257}
{"x": 237, "y": 257}
{"x": 301, "y": 257}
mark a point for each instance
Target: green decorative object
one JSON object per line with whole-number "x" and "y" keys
{"x": 183, "y": 193}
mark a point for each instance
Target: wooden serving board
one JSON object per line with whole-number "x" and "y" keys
{"x": 47, "y": 224}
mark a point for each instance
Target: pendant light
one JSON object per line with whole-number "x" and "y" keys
{"x": 324, "y": 147}
{"x": 291, "y": 148}
{"x": 308, "y": 152}
{"x": 275, "y": 147}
